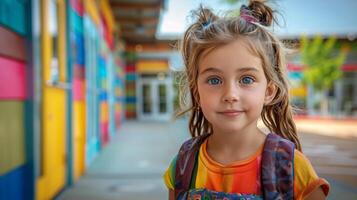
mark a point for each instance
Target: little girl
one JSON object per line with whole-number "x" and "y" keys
{"x": 236, "y": 74}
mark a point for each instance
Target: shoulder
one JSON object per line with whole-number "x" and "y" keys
{"x": 169, "y": 175}
{"x": 192, "y": 143}
{"x": 186, "y": 153}
{"x": 302, "y": 167}
{"x": 306, "y": 179}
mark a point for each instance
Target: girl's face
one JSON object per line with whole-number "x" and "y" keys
{"x": 232, "y": 87}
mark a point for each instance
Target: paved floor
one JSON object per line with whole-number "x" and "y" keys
{"x": 336, "y": 160}
{"x": 131, "y": 166}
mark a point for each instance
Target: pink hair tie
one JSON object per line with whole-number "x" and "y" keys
{"x": 245, "y": 14}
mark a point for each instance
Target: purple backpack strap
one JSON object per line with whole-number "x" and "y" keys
{"x": 185, "y": 164}
{"x": 278, "y": 168}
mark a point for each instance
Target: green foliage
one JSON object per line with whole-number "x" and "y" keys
{"x": 235, "y": 7}
{"x": 232, "y": 2}
{"x": 322, "y": 62}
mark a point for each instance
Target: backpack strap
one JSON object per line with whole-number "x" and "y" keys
{"x": 185, "y": 164}
{"x": 278, "y": 168}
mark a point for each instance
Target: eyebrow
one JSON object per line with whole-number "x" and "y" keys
{"x": 214, "y": 69}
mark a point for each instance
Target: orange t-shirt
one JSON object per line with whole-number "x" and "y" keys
{"x": 243, "y": 177}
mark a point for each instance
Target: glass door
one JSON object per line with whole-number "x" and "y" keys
{"x": 162, "y": 96}
{"x": 154, "y": 99}
{"x": 147, "y": 106}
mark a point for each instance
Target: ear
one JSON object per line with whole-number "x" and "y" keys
{"x": 270, "y": 93}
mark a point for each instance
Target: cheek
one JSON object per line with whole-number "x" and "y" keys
{"x": 207, "y": 93}
{"x": 201, "y": 91}
{"x": 253, "y": 98}
{"x": 207, "y": 98}
{"x": 259, "y": 98}
{"x": 260, "y": 94}
{"x": 207, "y": 108}
{"x": 204, "y": 99}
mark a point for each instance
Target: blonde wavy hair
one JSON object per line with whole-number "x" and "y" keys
{"x": 211, "y": 31}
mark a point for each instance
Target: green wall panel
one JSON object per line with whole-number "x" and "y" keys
{"x": 12, "y": 138}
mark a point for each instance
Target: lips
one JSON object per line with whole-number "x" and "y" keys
{"x": 231, "y": 113}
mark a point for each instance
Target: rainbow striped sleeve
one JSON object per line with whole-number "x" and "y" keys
{"x": 170, "y": 174}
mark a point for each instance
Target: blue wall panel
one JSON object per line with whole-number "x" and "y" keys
{"x": 13, "y": 185}
{"x": 130, "y": 77}
{"x": 78, "y": 52}
{"x": 131, "y": 100}
{"x": 103, "y": 96}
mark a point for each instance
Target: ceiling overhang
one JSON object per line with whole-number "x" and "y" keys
{"x": 137, "y": 19}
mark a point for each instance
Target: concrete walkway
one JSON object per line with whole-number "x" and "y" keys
{"x": 131, "y": 166}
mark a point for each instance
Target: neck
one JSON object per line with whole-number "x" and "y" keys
{"x": 227, "y": 146}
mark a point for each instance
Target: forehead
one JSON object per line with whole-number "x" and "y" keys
{"x": 231, "y": 56}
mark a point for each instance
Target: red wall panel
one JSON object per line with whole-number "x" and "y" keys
{"x": 12, "y": 45}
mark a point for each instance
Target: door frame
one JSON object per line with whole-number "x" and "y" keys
{"x": 51, "y": 169}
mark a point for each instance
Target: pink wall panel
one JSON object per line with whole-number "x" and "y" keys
{"x": 79, "y": 71}
{"x": 77, "y": 5}
{"x": 12, "y": 79}
{"x": 117, "y": 119}
{"x": 78, "y": 89}
{"x": 104, "y": 132}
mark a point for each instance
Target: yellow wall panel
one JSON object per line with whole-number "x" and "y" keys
{"x": 79, "y": 130}
{"x": 131, "y": 107}
{"x": 54, "y": 130}
{"x": 62, "y": 56}
{"x": 152, "y": 66}
{"x": 108, "y": 15}
{"x": 298, "y": 92}
{"x": 46, "y": 43}
{"x": 104, "y": 113}
{"x": 118, "y": 107}
{"x": 91, "y": 9}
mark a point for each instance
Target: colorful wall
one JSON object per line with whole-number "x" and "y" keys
{"x": 97, "y": 75}
{"x": 61, "y": 92}
{"x": 130, "y": 85}
{"x": 15, "y": 85}
{"x": 77, "y": 63}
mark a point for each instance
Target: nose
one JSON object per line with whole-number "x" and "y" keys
{"x": 231, "y": 93}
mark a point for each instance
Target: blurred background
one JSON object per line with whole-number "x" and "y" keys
{"x": 88, "y": 93}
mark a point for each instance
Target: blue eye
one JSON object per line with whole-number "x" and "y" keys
{"x": 247, "y": 80}
{"x": 214, "y": 81}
